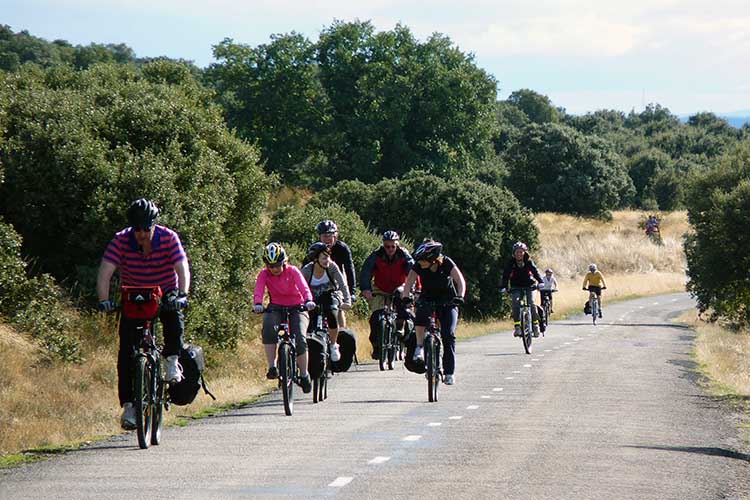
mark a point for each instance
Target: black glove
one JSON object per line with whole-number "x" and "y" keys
{"x": 458, "y": 301}
{"x": 407, "y": 301}
{"x": 176, "y": 302}
{"x": 107, "y": 306}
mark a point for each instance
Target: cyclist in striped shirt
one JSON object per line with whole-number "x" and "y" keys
{"x": 146, "y": 254}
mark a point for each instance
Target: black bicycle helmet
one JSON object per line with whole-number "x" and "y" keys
{"x": 315, "y": 250}
{"x": 391, "y": 236}
{"x": 326, "y": 227}
{"x": 429, "y": 251}
{"x": 142, "y": 213}
{"x": 274, "y": 254}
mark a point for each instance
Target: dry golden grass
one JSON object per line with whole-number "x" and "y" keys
{"x": 44, "y": 404}
{"x": 723, "y": 355}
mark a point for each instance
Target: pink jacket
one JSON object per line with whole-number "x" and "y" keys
{"x": 287, "y": 289}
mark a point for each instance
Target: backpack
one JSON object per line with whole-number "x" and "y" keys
{"x": 347, "y": 342}
{"x": 193, "y": 363}
{"x": 587, "y": 308}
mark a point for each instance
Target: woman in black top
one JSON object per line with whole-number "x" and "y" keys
{"x": 442, "y": 284}
{"x": 518, "y": 277}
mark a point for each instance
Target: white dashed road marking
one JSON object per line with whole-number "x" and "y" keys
{"x": 527, "y": 366}
{"x": 497, "y": 389}
{"x": 435, "y": 424}
{"x": 412, "y": 437}
{"x": 509, "y": 378}
{"x": 484, "y": 396}
{"x": 455, "y": 417}
{"x": 472, "y": 407}
{"x": 379, "y": 460}
{"x": 341, "y": 481}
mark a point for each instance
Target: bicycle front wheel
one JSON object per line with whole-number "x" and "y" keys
{"x": 143, "y": 398}
{"x": 158, "y": 407}
{"x": 528, "y": 333}
{"x": 286, "y": 376}
{"x": 594, "y": 309}
{"x": 383, "y": 344}
{"x": 391, "y": 343}
{"x": 431, "y": 356}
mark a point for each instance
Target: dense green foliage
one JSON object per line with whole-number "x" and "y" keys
{"x": 554, "y": 168}
{"x": 79, "y": 146}
{"x": 20, "y": 48}
{"x": 717, "y": 250}
{"x": 477, "y": 224}
{"x": 357, "y": 104}
{"x": 396, "y": 133}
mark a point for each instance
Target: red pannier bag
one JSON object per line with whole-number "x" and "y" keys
{"x": 140, "y": 302}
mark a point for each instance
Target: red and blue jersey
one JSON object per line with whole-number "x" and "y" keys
{"x": 156, "y": 268}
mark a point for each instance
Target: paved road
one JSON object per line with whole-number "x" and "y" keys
{"x": 606, "y": 412}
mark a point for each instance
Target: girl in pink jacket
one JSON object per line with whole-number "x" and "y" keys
{"x": 286, "y": 288}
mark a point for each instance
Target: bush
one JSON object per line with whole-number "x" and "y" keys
{"x": 106, "y": 136}
{"x": 554, "y": 168}
{"x": 476, "y": 223}
{"x": 717, "y": 250}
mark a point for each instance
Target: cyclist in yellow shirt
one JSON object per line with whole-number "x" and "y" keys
{"x": 594, "y": 283}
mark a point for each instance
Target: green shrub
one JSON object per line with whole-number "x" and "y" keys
{"x": 717, "y": 249}
{"x": 78, "y": 147}
{"x": 476, "y": 223}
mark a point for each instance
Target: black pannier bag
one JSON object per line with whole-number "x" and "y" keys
{"x": 193, "y": 363}
{"x": 587, "y": 308}
{"x": 347, "y": 342}
{"x": 316, "y": 355}
{"x": 411, "y": 345}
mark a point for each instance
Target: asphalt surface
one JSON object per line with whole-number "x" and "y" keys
{"x": 606, "y": 412}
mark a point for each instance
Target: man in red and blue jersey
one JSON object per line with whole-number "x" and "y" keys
{"x": 146, "y": 255}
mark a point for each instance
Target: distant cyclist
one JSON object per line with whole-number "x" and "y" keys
{"x": 518, "y": 277}
{"x": 388, "y": 267}
{"x": 594, "y": 282}
{"x": 329, "y": 290}
{"x": 548, "y": 285}
{"x": 442, "y": 283}
{"x": 147, "y": 255}
{"x": 286, "y": 287}
{"x": 328, "y": 232}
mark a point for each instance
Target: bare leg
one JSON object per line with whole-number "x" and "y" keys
{"x": 270, "y": 350}
{"x": 420, "y": 335}
{"x": 302, "y": 364}
{"x": 333, "y": 333}
{"x": 342, "y": 319}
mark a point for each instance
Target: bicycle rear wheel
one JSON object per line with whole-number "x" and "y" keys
{"x": 528, "y": 333}
{"x": 158, "y": 413}
{"x": 431, "y": 356}
{"x": 143, "y": 397}
{"x": 286, "y": 376}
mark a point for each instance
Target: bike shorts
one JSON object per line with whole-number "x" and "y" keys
{"x": 595, "y": 289}
{"x": 298, "y": 321}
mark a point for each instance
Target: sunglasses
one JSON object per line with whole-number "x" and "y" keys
{"x": 275, "y": 266}
{"x": 389, "y": 246}
{"x": 140, "y": 229}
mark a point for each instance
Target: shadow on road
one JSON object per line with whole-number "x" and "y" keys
{"x": 712, "y": 451}
{"x": 370, "y": 401}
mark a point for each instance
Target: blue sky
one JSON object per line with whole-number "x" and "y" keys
{"x": 687, "y": 55}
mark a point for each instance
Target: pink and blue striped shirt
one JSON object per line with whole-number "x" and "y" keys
{"x": 157, "y": 268}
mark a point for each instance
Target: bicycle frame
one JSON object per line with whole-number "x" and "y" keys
{"x": 148, "y": 382}
{"x": 286, "y": 356}
{"x": 320, "y": 383}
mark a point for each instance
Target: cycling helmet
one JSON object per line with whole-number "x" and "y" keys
{"x": 326, "y": 227}
{"x": 274, "y": 254}
{"x": 429, "y": 250}
{"x": 592, "y": 268}
{"x": 521, "y": 245}
{"x": 142, "y": 213}
{"x": 390, "y": 236}
{"x": 548, "y": 270}
{"x": 315, "y": 250}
